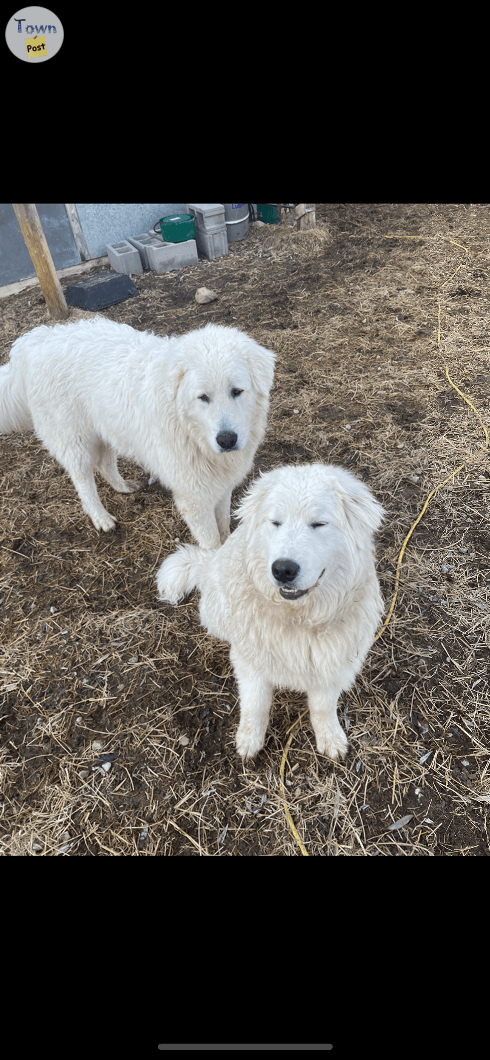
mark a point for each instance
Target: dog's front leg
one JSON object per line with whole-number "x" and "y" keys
{"x": 200, "y": 519}
{"x": 222, "y": 514}
{"x": 330, "y": 737}
{"x": 255, "y": 704}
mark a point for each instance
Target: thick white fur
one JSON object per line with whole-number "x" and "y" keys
{"x": 317, "y": 643}
{"x": 94, "y": 389}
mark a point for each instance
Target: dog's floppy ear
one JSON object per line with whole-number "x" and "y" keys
{"x": 260, "y": 363}
{"x": 176, "y": 375}
{"x": 359, "y": 504}
{"x": 250, "y": 506}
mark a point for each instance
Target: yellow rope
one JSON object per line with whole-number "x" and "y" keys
{"x": 461, "y": 466}
{"x": 281, "y": 773}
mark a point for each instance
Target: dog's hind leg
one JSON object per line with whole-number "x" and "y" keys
{"x": 78, "y": 460}
{"x": 106, "y": 463}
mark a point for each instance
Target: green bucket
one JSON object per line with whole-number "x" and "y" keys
{"x": 178, "y": 228}
{"x": 267, "y": 211}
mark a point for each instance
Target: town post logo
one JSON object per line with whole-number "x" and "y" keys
{"x": 34, "y": 34}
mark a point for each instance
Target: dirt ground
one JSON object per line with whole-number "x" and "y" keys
{"x": 118, "y": 713}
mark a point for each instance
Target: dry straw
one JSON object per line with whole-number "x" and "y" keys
{"x": 413, "y": 526}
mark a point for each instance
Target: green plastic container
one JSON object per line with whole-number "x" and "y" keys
{"x": 267, "y": 211}
{"x": 178, "y": 228}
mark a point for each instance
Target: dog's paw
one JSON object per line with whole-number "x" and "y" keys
{"x": 131, "y": 485}
{"x": 104, "y": 522}
{"x": 333, "y": 744}
{"x": 248, "y": 744}
{"x": 208, "y": 542}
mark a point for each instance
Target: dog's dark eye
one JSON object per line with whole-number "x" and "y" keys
{"x": 204, "y": 397}
{"x": 273, "y": 521}
{"x": 314, "y": 525}
{"x": 235, "y": 392}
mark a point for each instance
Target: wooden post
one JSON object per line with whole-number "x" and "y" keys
{"x": 305, "y": 216}
{"x": 37, "y": 246}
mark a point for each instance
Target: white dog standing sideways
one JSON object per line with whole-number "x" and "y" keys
{"x": 294, "y": 592}
{"x": 190, "y": 409}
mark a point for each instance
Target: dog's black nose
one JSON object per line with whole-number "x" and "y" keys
{"x": 285, "y": 570}
{"x": 226, "y": 439}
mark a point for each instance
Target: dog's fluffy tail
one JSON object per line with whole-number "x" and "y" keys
{"x": 14, "y": 413}
{"x": 182, "y": 572}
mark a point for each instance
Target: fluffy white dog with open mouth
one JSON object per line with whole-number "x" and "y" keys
{"x": 294, "y": 592}
{"x": 190, "y": 409}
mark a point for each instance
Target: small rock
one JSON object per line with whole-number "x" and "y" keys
{"x": 203, "y": 295}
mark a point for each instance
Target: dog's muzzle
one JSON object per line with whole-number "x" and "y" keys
{"x": 288, "y": 593}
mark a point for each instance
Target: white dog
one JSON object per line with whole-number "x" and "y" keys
{"x": 191, "y": 410}
{"x": 294, "y": 592}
